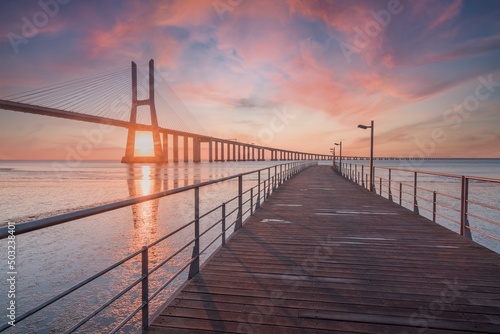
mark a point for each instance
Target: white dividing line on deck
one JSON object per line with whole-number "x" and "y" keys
{"x": 276, "y": 221}
{"x": 336, "y": 213}
{"x": 287, "y": 204}
{"x": 363, "y": 238}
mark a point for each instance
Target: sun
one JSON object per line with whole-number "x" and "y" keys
{"x": 144, "y": 144}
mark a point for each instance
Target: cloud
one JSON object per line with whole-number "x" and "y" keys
{"x": 448, "y": 14}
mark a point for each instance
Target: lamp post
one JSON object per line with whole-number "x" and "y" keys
{"x": 364, "y": 127}
{"x": 340, "y": 159}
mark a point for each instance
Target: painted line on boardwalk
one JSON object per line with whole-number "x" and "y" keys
{"x": 276, "y": 221}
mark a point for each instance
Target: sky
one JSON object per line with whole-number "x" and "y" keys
{"x": 293, "y": 74}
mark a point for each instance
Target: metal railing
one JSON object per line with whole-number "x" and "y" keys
{"x": 449, "y": 201}
{"x": 266, "y": 185}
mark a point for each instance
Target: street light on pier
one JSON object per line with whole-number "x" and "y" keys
{"x": 364, "y": 127}
{"x": 340, "y": 159}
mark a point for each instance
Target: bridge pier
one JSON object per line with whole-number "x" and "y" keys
{"x": 175, "y": 140}
{"x": 216, "y": 143}
{"x": 196, "y": 149}
{"x": 210, "y": 157}
{"x": 186, "y": 146}
{"x": 129, "y": 156}
{"x": 165, "y": 146}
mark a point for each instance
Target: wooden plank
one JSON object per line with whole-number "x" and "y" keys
{"x": 363, "y": 265}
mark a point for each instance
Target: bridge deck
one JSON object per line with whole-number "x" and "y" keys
{"x": 336, "y": 258}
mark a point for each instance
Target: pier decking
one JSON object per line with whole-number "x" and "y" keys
{"x": 324, "y": 255}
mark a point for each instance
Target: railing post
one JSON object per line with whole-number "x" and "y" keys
{"x": 389, "y": 189}
{"x": 372, "y": 181}
{"x": 362, "y": 176}
{"x": 275, "y": 179}
{"x": 281, "y": 174}
{"x": 195, "y": 265}
{"x": 356, "y": 173}
{"x": 145, "y": 288}
{"x": 380, "y": 186}
{"x": 223, "y": 221}
{"x": 464, "y": 220}
{"x": 258, "y": 191}
{"x": 239, "y": 221}
{"x": 434, "y": 200}
{"x": 251, "y": 201}
{"x": 415, "y": 203}
{"x": 400, "y": 193}
{"x": 268, "y": 182}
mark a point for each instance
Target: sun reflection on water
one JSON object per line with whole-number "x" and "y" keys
{"x": 144, "y": 181}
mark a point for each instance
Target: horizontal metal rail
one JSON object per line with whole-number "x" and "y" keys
{"x": 418, "y": 194}
{"x": 286, "y": 171}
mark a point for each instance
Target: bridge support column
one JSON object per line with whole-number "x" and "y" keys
{"x": 221, "y": 151}
{"x": 196, "y": 149}
{"x": 175, "y": 147}
{"x": 165, "y": 146}
{"x": 210, "y": 157}
{"x": 216, "y": 150}
{"x": 234, "y": 152}
{"x": 129, "y": 156}
{"x": 186, "y": 147}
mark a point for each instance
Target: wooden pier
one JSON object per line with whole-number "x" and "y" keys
{"x": 323, "y": 255}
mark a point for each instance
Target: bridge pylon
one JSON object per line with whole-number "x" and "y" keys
{"x": 159, "y": 155}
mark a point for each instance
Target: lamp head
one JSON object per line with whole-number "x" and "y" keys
{"x": 361, "y": 126}
{"x": 337, "y": 144}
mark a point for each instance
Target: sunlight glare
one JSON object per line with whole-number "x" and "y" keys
{"x": 144, "y": 144}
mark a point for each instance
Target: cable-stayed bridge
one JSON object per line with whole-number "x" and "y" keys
{"x": 111, "y": 98}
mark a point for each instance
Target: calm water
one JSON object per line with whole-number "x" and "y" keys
{"x": 53, "y": 259}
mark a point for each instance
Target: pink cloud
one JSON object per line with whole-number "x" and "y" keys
{"x": 342, "y": 15}
{"x": 451, "y": 11}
